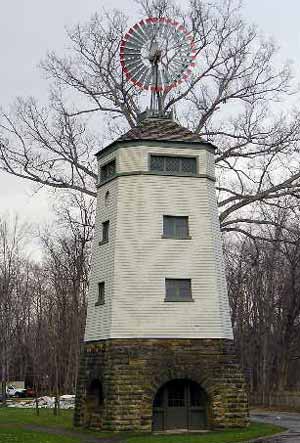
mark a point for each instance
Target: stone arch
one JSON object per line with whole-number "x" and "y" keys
{"x": 180, "y": 403}
{"x": 197, "y": 375}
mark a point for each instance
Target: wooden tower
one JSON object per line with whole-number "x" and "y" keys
{"x": 158, "y": 351}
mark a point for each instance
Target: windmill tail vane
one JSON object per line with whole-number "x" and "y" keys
{"x": 157, "y": 54}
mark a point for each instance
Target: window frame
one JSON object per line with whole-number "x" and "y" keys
{"x": 165, "y": 236}
{"x": 178, "y": 298}
{"x": 179, "y": 173}
{"x": 113, "y": 160}
{"x": 101, "y": 294}
{"x": 105, "y": 240}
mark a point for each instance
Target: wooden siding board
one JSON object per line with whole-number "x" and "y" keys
{"x": 98, "y": 322}
{"x": 137, "y": 260}
{"x": 219, "y": 263}
{"x": 144, "y": 260}
{"x": 136, "y": 158}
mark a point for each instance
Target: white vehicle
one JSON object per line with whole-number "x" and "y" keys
{"x": 12, "y": 391}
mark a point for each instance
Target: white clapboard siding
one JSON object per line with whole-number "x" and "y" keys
{"x": 136, "y": 261}
{"x": 98, "y": 322}
{"x": 136, "y": 158}
{"x": 143, "y": 260}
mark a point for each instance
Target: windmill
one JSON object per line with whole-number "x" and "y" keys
{"x": 158, "y": 351}
{"x": 157, "y": 54}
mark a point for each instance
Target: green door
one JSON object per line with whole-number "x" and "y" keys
{"x": 176, "y": 406}
{"x": 180, "y": 404}
{"x": 197, "y": 407}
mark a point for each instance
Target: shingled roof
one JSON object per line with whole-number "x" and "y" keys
{"x": 159, "y": 129}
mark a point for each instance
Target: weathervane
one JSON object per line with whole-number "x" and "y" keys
{"x": 157, "y": 54}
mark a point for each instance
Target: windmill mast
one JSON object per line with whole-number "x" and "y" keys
{"x": 156, "y": 99}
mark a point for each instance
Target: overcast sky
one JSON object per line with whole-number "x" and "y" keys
{"x": 28, "y": 28}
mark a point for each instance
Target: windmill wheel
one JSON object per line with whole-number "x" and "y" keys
{"x": 157, "y": 54}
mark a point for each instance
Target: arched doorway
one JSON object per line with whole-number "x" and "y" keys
{"x": 180, "y": 404}
{"x": 95, "y": 396}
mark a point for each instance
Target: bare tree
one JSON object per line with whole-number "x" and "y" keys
{"x": 66, "y": 263}
{"x": 234, "y": 98}
{"x": 264, "y": 283}
{"x": 43, "y": 304}
{"x": 13, "y": 283}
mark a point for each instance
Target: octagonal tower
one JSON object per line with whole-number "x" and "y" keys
{"x": 158, "y": 351}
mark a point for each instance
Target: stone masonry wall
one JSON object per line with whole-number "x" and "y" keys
{"x": 132, "y": 370}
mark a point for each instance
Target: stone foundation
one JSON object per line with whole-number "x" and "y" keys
{"x": 132, "y": 370}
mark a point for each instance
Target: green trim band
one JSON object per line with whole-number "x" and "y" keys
{"x": 178, "y": 300}
{"x": 165, "y": 174}
{"x": 163, "y": 338}
{"x": 159, "y": 143}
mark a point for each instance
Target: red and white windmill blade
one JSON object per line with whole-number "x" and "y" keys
{"x": 157, "y": 54}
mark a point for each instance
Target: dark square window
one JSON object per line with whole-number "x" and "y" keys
{"x": 105, "y": 232}
{"x": 175, "y": 227}
{"x": 157, "y": 163}
{"x": 101, "y": 294}
{"x": 108, "y": 171}
{"x": 176, "y": 395}
{"x": 171, "y": 164}
{"x": 188, "y": 165}
{"x": 178, "y": 289}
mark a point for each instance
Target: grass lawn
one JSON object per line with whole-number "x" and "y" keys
{"x": 255, "y": 430}
{"x": 13, "y": 420}
{"x": 28, "y": 416}
{"x": 19, "y": 435}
